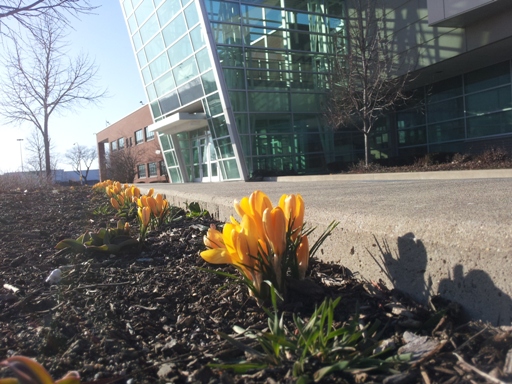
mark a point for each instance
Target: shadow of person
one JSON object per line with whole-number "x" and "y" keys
{"x": 478, "y": 295}
{"x": 406, "y": 269}
{"x": 475, "y": 291}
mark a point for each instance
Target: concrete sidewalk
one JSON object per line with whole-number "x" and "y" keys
{"x": 452, "y": 237}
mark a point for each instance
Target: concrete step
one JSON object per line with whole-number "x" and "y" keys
{"x": 447, "y": 236}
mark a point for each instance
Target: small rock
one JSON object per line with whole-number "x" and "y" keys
{"x": 165, "y": 370}
{"x": 417, "y": 345}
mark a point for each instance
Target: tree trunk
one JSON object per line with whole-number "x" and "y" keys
{"x": 47, "y": 160}
{"x": 366, "y": 150}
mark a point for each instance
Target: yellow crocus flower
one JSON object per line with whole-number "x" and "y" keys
{"x": 150, "y": 192}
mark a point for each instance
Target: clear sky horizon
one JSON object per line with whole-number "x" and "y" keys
{"x": 104, "y": 37}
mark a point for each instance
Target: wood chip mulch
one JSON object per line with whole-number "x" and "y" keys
{"x": 151, "y": 316}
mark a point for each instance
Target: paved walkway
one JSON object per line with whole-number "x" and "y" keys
{"x": 424, "y": 236}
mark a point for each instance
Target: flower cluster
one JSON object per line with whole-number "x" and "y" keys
{"x": 267, "y": 244}
{"x": 122, "y": 195}
{"x": 152, "y": 211}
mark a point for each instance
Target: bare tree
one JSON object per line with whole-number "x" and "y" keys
{"x": 80, "y": 155}
{"x": 35, "y": 148}
{"x": 366, "y": 81}
{"x": 42, "y": 81}
{"x": 28, "y": 12}
{"x": 122, "y": 164}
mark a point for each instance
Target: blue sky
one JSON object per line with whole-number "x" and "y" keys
{"x": 104, "y": 37}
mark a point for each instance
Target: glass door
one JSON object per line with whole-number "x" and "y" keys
{"x": 205, "y": 165}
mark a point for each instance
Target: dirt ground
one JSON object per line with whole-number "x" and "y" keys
{"x": 150, "y": 315}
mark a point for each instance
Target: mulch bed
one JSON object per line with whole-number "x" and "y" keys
{"x": 151, "y": 315}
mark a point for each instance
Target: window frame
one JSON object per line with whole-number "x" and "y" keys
{"x": 149, "y": 135}
{"x": 155, "y": 174}
{"x": 162, "y": 167}
{"x": 136, "y": 134}
{"x": 140, "y": 167}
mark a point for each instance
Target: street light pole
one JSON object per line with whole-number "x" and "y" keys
{"x": 79, "y": 161}
{"x": 21, "y": 154}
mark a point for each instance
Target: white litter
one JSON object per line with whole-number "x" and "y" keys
{"x": 54, "y": 277}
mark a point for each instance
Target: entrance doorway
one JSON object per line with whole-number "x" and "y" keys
{"x": 205, "y": 163}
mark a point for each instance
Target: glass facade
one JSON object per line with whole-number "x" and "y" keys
{"x": 256, "y": 69}
{"x": 449, "y": 115}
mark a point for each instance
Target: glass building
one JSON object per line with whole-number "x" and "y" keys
{"x": 235, "y": 87}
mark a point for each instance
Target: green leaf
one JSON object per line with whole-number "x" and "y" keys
{"x": 339, "y": 366}
{"x": 75, "y": 245}
{"x": 241, "y": 346}
{"x": 240, "y": 367}
{"x": 128, "y": 242}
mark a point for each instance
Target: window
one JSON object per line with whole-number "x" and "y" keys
{"x": 114, "y": 145}
{"x": 150, "y": 135}
{"x": 152, "y": 170}
{"x": 138, "y": 137}
{"x": 121, "y": 143}
{"x": 163, "y": 171}
{"x": 141, "y": 170}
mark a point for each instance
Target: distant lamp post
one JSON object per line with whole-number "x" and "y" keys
{"x": 79, "y": 161}
{"x": 21, "y": 154}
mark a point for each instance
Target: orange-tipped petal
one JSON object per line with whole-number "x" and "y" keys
{"x": 251, "y": 231}
{"x": 114, "y": 203}
{"x": 152, "y": 204}
{"x": 293, "y": 208}
{"x": 229, "y": 233}
{"x": 217, "y": 256}
{"x": 259, "y": 201}
{"x": 303, "y": 256}
{"x": 150, "y": 192}
{"x": 28, "y": 371}
{"x": 146, "y": 214}
{"x": 72, "y": 377}
{"x": 9, "y": 380}
{"x": 160, "y": 202}
{"x": 242, "y": 207}
{"x": 274, "y": 224}
{"x": 213, "y": 239}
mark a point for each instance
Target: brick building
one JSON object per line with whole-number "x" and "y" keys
{"x": 131, "y": 135}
